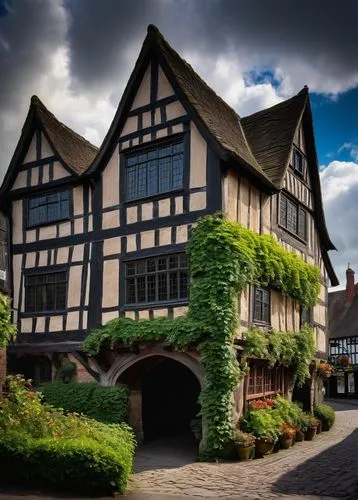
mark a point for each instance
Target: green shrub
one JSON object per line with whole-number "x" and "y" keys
{"x": 106, "y": 404}
{"x": 326, "y": 414}
{"x": 40, "y": 446}
{"x": 290, "y": 412}
{"x": 263, "y": 423}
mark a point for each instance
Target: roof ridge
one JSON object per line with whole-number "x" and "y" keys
{"x": 38, "y": 104}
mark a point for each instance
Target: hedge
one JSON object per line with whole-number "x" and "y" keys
{"x": 326, "y": 414}
{"x": 41, "y": 447}
{"x": 105, "y": 404}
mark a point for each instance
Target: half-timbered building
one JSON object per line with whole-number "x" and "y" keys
{"x": 100, "y": 233}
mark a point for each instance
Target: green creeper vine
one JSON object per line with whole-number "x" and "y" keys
{"x": 224, "y": 257}
{"x": 7, "y": 329}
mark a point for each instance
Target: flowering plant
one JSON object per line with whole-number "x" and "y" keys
{"x": 244, "y": 439}
{"x": 287, "y": 431}
{"x": 325, "y": 370}
{"x": 344, "y": 360}
{"x": 260, "y": 404}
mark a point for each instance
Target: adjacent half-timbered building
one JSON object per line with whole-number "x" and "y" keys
{"x": 97, "y": 234}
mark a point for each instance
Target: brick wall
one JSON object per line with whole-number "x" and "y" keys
{"x": 82, "y": 373}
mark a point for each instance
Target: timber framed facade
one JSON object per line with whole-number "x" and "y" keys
{"x": 98, "y": 233}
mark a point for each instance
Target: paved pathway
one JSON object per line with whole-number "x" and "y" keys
{"x": 326, "y": 467}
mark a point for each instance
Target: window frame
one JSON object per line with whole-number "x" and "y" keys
{"x": 300, "y": 173}
{"x": 266, "y": 291}
{"x": 48, "y": 193}
{"x": 147, "y": 148}
{"x": 46, "y": 271}
{"x": 299, "y": 208}
{"x": 146, "y": 303}
{"x": 277, "y": 380}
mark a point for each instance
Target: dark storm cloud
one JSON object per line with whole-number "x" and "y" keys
{"x": 312, "y": 31}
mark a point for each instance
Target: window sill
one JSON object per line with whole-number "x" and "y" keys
{"x": 154, "y": 197}
{"x": 260, "y": 395}
{"x": 156, "y": 305}
{"x": 294, "y": 235}
{"x": 42, "y": 313}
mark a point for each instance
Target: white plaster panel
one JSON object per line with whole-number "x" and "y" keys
{"x": 230, "y": 193}
{"x": 56, "y": 324}
{"x": 43, "y": 258}
{"x": 132, "y": 215}
{"x": 112, "y": 245}
{"x": 16, "y": 262}
{"x": 46, "y": 174}
{"x": 77, "y": 255}
{"x": 72, "y": 320}
{"x": 157, "y": 116}
{"x": 147, "y": 211}
{"x": 17, "y": 221}
{"x": 130, "y": 314}
{"x": 143, "y": 94}
{"x": 178, "y": 205}
{"x": 31, "y": 152}
{"x": 135, "y": 141}
{"x": 198, "y": 152}
{"x": 26, "y": 325}
{"x": 59, "y": 172}
{"x": 90, "y": 223}
{"x": 40, "y": 325}
{"x": 165, "y": 235}
{"x": 147, "y": 138}
{"x": 110, "y": 178}
{"x": 159, "y": 313}
{"x": 46, "y": 149}
{"x": 30, "y": 259}
{"x": 163, "y": 132}
{"x": 47, "y": 232}
{"x": 130, "y": 126}
{"x": 197, "y": 201}
{"x": 143, "y": 314}
{"x": 79, "y": 226}
{"x": 147, "y": 120}
{"x": 175, "y": 110}
{"x": 147, "y": 239}
{"x": 88, "y": 284}
{"x": 131, "y": 243}
{"x": 84, "y": 319}
{"x": 20, "y": 181}
{"x": 78, "y": 200}
{"x": 74, "y": 286}
{"x": 62, "y": 255}
{"x": 30, "y": 235}
{"x": 108, "y": 316}
{"x": 255, "y": 210}
{"x": 34, "y": 176}
{"x": 244, "y": 202}
{"x": 177, "y": 129}
{"x": 164, "y": 87}
{"x": 182, "y": 234}
{"x": 110, "y": 219}
{"x": 164, "y": 207}
{"x": 125, "y": 145}
{"x": 64, "y": 229}
{"x": 110, "y": 283}
{"x": 179, "y": 311}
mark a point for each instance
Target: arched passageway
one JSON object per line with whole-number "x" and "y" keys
{"x": 166, "y": 396}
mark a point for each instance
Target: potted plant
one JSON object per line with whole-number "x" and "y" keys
{"x": 319, "y": 426}
{"x": 325, "y": 370}
{"x": 265, "y": 424}
{"x": 299, "y": 436}
{"x": 196, "y": 428}
{"x": 287, "y": 435}
{"x": 245, "y": 444}
{"x": 325, "y": 414}
{"x": 311, "y": 427}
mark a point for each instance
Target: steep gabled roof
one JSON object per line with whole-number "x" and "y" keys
{"x": 74, "y": 150}
{"x": 270, "y": 134}
{"x": 343, "y": 315}
{"x": 219, "y": 123}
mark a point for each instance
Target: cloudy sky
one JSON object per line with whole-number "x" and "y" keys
{"x": 76, "y": 55}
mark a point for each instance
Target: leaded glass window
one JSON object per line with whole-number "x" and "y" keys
{"x": 261, "y": 305}
{"x": 155, "y": 171}
{"x": 45, "y": 292}
{"x": 293, "y": 217}
{"x": 48, "y": 208}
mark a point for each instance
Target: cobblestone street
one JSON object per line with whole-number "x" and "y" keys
{"x": 326, "y": 467}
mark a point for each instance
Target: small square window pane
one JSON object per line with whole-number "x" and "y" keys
{"x": 141, "y": 267}
{"x": 151, "y": 265}
{"x": 162, "y": 286}
{"x": 131, "y": 299}
{"x": 141, "y": 288}
{"x": 162, "y": 264}
{"x": 151, "y": 284}
{"x": 130, "y": 268}
{"x": 164, "y": 174}
{"x": 184, "y": 260}
{"x": 173, "y": 262}
{"x": 173, "y": 285}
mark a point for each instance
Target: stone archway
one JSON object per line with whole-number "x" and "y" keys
{"x": 163, "y": 387}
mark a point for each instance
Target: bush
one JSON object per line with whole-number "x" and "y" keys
{"x": 42, "y": 447}
{"x": 263, "y": 423}
{"x": 326, "y": 414}
{"x": 290, "y": 412}
{"x": 105, "y": 404}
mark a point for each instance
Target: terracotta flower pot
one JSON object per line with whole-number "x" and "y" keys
{"x": 264, "y": 446}
{"x": 245, "y": 452}
{"x": 285, "y": 442}
{"x": 325, "y": 427}
{"x": 310, "y": 433}
{"x": 299, "y": 436}
{"x": 294, "y": 439}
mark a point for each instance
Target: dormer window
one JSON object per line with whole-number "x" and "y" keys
{"x": 298, "y": 163}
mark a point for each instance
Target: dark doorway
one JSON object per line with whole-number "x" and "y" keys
{"x": 37, "y": 368}
{"x": 170, "y": 393}
{"x": 303, "y": 395}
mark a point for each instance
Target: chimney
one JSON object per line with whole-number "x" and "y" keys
{"x": 350, "y": 288}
